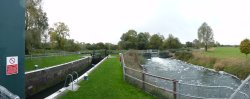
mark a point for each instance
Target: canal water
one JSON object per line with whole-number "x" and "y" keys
{"x": 193, "y": 80}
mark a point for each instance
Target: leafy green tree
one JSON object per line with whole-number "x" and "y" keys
{"x": 72, "y": 46}
{"x": 142, "y": 41}
{"x": 217, "y": 44}
{"x": 36, "y": 23}
{"x": 155, "y": 41}
{"x": 189, "y": 44}
{"x": 245, "y": 46}
{"x": 129, "y": 40}
{"x": 90, "y": 46}
{"x": 205, "y": 35}
{"x": 100, "y": 45}
{"x": 59, "y": 32}
{"x": 172, "y": 42}
{"x": 111, "y": 46}
{"x": 196, "y": 43}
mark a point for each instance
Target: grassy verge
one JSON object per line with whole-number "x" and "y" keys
{"x": 228, "y": 59}
{"x": 106, "y": 82}
{"x": 49, "y": 61}
{"x": 225, "y": 52}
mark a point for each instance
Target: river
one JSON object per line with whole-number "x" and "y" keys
{"x": 193, "y": 80}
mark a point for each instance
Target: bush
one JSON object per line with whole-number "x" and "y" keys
{"x": 164, "y": 54}
{"x": 183, "y": 55}
{"x": 132, "y": 59}
{"x": 219, "y": 65}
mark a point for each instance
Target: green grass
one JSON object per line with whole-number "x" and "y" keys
{"x": 49, "y": 61}
{"x": 228, "y": 59}
{"x": 106, "y": 82}
{"x": 226, "y": 52}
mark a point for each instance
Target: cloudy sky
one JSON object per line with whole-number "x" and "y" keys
{"x": 105, "y": 20}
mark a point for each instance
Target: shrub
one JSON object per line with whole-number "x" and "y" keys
{"x": 132, "y": 59}
{"x": 164, "y": 54}
{"x": 219, "y": 65}
{"x": 183, "y": 55}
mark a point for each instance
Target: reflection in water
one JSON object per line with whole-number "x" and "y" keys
{"x": 190, "y": 74}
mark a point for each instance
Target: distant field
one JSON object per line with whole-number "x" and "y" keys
{"x": 49, "y": 61}
{"x": 226, "y": 52}
{"x": 228, "y": 59}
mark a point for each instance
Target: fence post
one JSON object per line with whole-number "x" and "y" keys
{"x": 174, "y": 88}
{"x": 123, "y": 64}
{"x": 143, "y": 80}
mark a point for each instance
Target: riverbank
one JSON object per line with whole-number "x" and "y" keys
{"x": 228, "y": 59}
{"x": 106, "y": 82}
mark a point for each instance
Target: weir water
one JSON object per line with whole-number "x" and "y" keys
{"x": 193, "y": 80}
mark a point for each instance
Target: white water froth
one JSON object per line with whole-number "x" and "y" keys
{"x": 188, "y": 73}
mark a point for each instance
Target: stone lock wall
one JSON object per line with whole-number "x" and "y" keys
{"x": 41, "y": 79}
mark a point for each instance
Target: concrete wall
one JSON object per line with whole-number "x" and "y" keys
{"x": 41, "y": 79}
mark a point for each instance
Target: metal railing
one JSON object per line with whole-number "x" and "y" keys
{"x": 144, "y": 81}
{"x": 35, "y": 56}
{"x": 74, "y": 72}
{"x": 6, "y": 94}
{"x": 243, "y": 91}
{"x": 70, "y": 80}
{"x": 179, "y": 90}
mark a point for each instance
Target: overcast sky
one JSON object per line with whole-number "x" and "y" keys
{"x": 95, "y": 21}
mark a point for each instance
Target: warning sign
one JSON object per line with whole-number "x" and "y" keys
{"x": 11, "y": 65}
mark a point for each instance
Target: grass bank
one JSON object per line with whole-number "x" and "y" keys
{"x": 49, "y": 61}
{"x": 106, "y": 82}
{"x": 225, "y": 52}
{"x": 228, "y": 59}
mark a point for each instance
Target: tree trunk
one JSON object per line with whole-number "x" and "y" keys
{"x": 206, "y": 48}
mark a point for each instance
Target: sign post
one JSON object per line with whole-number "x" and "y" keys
{"x": 12, "y": 16}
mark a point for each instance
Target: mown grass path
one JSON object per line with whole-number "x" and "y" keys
{"x": 106, "y": 82}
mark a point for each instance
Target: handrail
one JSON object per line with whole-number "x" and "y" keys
{"x": 151, "y": 74}
{"x": 238, "y": 89}
{"x": 5, "y": 92}
{"x": 74, "y": 72}
{"x": 71, "y": 76}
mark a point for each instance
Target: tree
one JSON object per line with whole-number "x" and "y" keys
{"x": 90, "y": 46}
{"x": 142, "y": 40}
{"x": 205, "y": 35}
{"x": 156, "y": 40}
{"x": 36, "y": 23}
{"x": 129, "y": 40}
{"x": 189, "y": 44}
{"x": 172, "y": 43}
{"x": 196, "y": 43}
{"x": 217, "y": 44}
{"x": 59, "y": 32}
{"x": 245, "y": 46}
{"x": 72, "y": 45}
{"x": 100, "y": 45}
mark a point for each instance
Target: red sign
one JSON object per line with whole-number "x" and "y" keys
{"x": 11, "y": 65}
